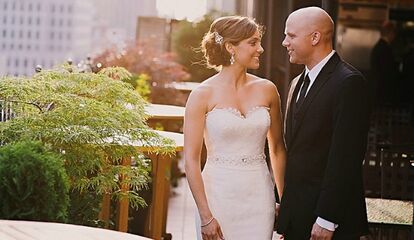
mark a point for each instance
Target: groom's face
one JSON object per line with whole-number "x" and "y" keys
{"x": 297, "y": 40}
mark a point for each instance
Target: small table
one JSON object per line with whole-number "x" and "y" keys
{"x": 167, "y": 115}
{"x": 165, "y": 112}
{"x": 161, "y": 171}
{"x": 391, "y": 218}
{"x": 184, "y": 86}
{"x": 389, "y": 212}
{"x": 24, "y": 230}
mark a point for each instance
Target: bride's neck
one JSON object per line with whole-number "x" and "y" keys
{"x": 234, "y": 75}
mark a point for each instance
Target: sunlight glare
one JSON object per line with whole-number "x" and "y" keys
{"x": 181, "y": 9}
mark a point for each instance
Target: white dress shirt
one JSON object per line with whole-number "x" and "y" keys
{"x": 314, "y": 72}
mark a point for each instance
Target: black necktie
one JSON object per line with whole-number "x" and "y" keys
{"x": 303, "y": 91}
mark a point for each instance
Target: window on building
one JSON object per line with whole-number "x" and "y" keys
{"x": 39, "y": 7}
{"x": 53, "y": 8}
{"x": 12, "y": 34}
{"x": 60, "y": 35}
{"x": 62, "y": 8}
{"x": 30, "y": 7}
{"x": 68, "y": 36}
{"x": 22, "y": 6}
{"x": 4, "y": 33}
{"x": 16, "y": 62}
{"x": 11, "y": 46}
{"x": 12, "y": 20}
{"x": 69, "y": 23}
{"x": 38, "y": 21}
{"x": 37, "y": 34}
{"x": 8, "y": 62}
{"x": 52, "y": 22}
{"x": 60, "y": 22}
{"x": 21, "y": 20}
{"x": 20, "y": 33}
{"x": 13, "y": 5}
{"x": 20, "y": 46}
{"x": 5, "y": 6}
{"x": 70, "y": 9}
{"x": 28, "y": 47}
{"x": 25, "y": 62}
{"x": 29, "y": 20}
{"x": 29, "y": 34}
{"x": 3, "y": 46}
{"x": 4, "y": 19}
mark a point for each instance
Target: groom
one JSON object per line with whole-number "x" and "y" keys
{"x": 326, "y": 128}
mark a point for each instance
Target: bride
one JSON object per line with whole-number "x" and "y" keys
{"x": 235, "y": 112}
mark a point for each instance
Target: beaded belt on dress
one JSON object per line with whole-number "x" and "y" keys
{"x": 237, "y": 160}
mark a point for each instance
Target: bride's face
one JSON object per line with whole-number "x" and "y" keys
{"x": 248, "y": 51}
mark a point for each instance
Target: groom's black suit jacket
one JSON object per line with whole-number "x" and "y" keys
{"x": 325, "y": 150}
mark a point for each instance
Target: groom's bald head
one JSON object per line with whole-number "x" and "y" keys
{"x": 308, "y": 36}
{"x": 314, "y": 19}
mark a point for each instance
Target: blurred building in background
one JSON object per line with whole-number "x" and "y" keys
{"x": 239, "y": 7}
{"x": 159, "y": 29}
{"x": 42, "y": 32}
{"x": 115, "y": 21}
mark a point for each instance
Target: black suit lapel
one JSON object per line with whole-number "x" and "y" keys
{"x": 320, "y": 80}
{"x": 291, "y": 110}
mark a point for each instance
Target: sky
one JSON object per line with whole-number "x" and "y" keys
{"x": 180, "y": 9}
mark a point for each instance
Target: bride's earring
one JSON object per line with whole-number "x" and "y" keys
{"x": 232, "y": 59}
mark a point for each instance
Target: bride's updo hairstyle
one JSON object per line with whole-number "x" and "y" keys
{"x": 229, "y": 29}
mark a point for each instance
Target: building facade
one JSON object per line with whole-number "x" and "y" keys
{"x": 42, "y": 32}
{"x": 115, "y": 21}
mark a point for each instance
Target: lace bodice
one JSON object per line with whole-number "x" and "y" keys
{"x": 234, "y": 139}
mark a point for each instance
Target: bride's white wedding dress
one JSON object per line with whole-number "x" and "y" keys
{"x": 237, "y": 181}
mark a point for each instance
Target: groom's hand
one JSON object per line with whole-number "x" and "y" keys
{"x": 320, "y": 233}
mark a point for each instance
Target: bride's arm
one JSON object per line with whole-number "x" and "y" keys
{"x": 194, "y": 122}
{"x": 277, "y": 150}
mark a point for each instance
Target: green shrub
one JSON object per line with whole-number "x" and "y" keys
{"x": 33, "y": 183}
{"x": 142, "y": 85}
{"x": 187, "y": 42}
{"x": 91, "y": 119}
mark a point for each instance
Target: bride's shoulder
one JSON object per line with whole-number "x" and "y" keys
{"x": 262, "y": 84}
{"x": 202, "y": 92}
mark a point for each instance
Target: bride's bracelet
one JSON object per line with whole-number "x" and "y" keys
{"x": 207, "y": 223}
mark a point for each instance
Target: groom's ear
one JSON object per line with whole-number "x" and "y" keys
{"x": 316, "y": 37}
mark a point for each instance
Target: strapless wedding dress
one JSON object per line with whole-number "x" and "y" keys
{"x": 237, "y": 181}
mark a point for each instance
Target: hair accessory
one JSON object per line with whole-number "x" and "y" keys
{"x": 218, "y": 38}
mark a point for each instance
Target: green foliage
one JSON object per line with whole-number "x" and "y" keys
{"x": 142, "y": 86}
{"x": 33, "y": 183}
{"x": 145, "y": 58}
{"x": 92, "y": 120}
{"x": 140, "y": 83}
{"x": 186, "y": 43}
{"x": 84, "y": 205}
